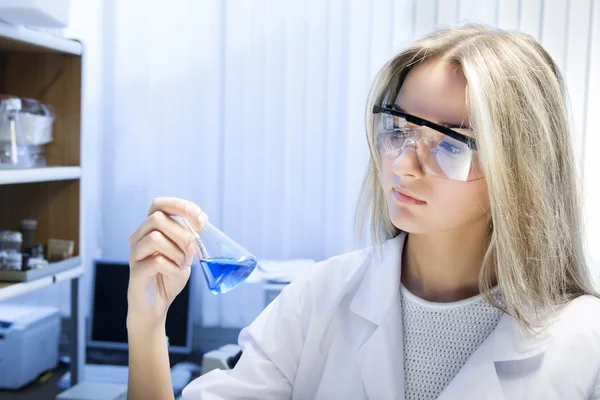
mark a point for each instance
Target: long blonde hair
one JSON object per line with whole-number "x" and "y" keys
{"x": 517, "y": 107}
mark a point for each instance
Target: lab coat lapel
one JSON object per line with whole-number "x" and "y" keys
{"x": 380, "y": 358}
{"x": 478, "y": 378}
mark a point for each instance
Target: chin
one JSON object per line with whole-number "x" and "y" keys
{"x": 410, "y": 227}
{"x": 406, "y": 220}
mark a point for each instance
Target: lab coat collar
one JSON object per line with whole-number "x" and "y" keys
{"x": 508, "y": 342}
{"x": 381, "y": 283}
{"x": 378, "y": 301}
{"x": 380, "y": 358}
{"x": 478, "y": 379}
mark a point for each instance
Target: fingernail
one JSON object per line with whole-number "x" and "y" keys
{"x": 193, "y": 210}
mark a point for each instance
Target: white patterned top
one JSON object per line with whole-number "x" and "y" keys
{"x": 439, "y": 338}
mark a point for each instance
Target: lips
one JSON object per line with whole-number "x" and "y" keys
{"x": 408, "y": 194}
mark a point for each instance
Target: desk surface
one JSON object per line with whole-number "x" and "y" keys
{"x": 48, "y": 390}
{"x": 37, "y": 390}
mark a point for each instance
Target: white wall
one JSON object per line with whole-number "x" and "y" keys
{"x": 589, "y": 122}
{"x": 231, "y": 107}
{"x": 254, "y": 109}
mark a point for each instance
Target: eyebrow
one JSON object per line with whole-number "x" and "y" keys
{"x": 445, "y": 124}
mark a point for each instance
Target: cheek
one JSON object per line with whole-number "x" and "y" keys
{"x": 386, "y": 172}
{"x": 451, "y": 205}
{"x": 468, "y": 202}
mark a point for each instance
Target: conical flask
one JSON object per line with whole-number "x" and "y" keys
{"x": 225, "y": 263}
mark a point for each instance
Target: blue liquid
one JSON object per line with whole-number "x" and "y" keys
{"x": 224, "y": 274}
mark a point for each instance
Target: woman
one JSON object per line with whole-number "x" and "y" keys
{"x": 478, "y": 289}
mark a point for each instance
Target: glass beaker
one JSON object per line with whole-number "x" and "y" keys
{"x": 225, "y": 263}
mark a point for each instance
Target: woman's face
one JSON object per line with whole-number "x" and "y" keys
{"x": 434, "y": 91}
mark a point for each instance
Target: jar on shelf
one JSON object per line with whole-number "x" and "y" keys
{"x": 15, "y": 151}
{"x": 3, "y": 256}
{"x": 14, "y": 261}
{"x": 11, "y": 241}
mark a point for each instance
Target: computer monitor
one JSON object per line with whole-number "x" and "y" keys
{"x": 108, "y": 314}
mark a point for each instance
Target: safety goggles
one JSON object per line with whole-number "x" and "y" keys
{"x": 441, "y": 151}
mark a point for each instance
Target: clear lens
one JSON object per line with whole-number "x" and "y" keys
{"x": 439, "y": 154}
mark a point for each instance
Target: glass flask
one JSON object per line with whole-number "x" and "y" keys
{"x": 225, "y": 263}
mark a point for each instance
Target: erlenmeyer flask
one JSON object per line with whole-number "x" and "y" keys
{"x": 225, "y": 263}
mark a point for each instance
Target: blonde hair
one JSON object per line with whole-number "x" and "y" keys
{"x": 518, "y": 109}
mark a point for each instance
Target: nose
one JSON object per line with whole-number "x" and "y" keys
{"x": 407, "y": 162}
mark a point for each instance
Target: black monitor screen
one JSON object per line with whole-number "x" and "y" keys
{"x": 109, "y": 310}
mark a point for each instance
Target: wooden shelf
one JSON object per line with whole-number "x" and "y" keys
{"x": 12, "y": 289}
{"x": 46, "y": 67}
{"x": 34, "y": 274}
{"x": 21, "y": 39}
{"x": 48, "y": 174}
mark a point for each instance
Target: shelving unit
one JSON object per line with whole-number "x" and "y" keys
{"x": 12, "y": 289}
{"x": 48, "y": 68}
{"x": 33, "y": 175}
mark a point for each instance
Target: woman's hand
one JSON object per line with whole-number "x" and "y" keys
{"x": 162, "y": 251}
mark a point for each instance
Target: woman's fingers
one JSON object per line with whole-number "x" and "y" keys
{"x": 157, "y": 242}
{"x": 159, "y": 221}
{"x": 175, "y": 206}
{"x": 166, "y": 267}
{"x": 158, "y": 263}
{"x": 182, "y": 208}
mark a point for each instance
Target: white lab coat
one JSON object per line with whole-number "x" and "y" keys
{"x": 336, "y": 333}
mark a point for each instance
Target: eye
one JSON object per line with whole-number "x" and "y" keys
{"x": 397, "y": 136}
{"x": 400, "y": 133}
{"x": 391, "y": 140}
{"x": 452, "y": 148}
